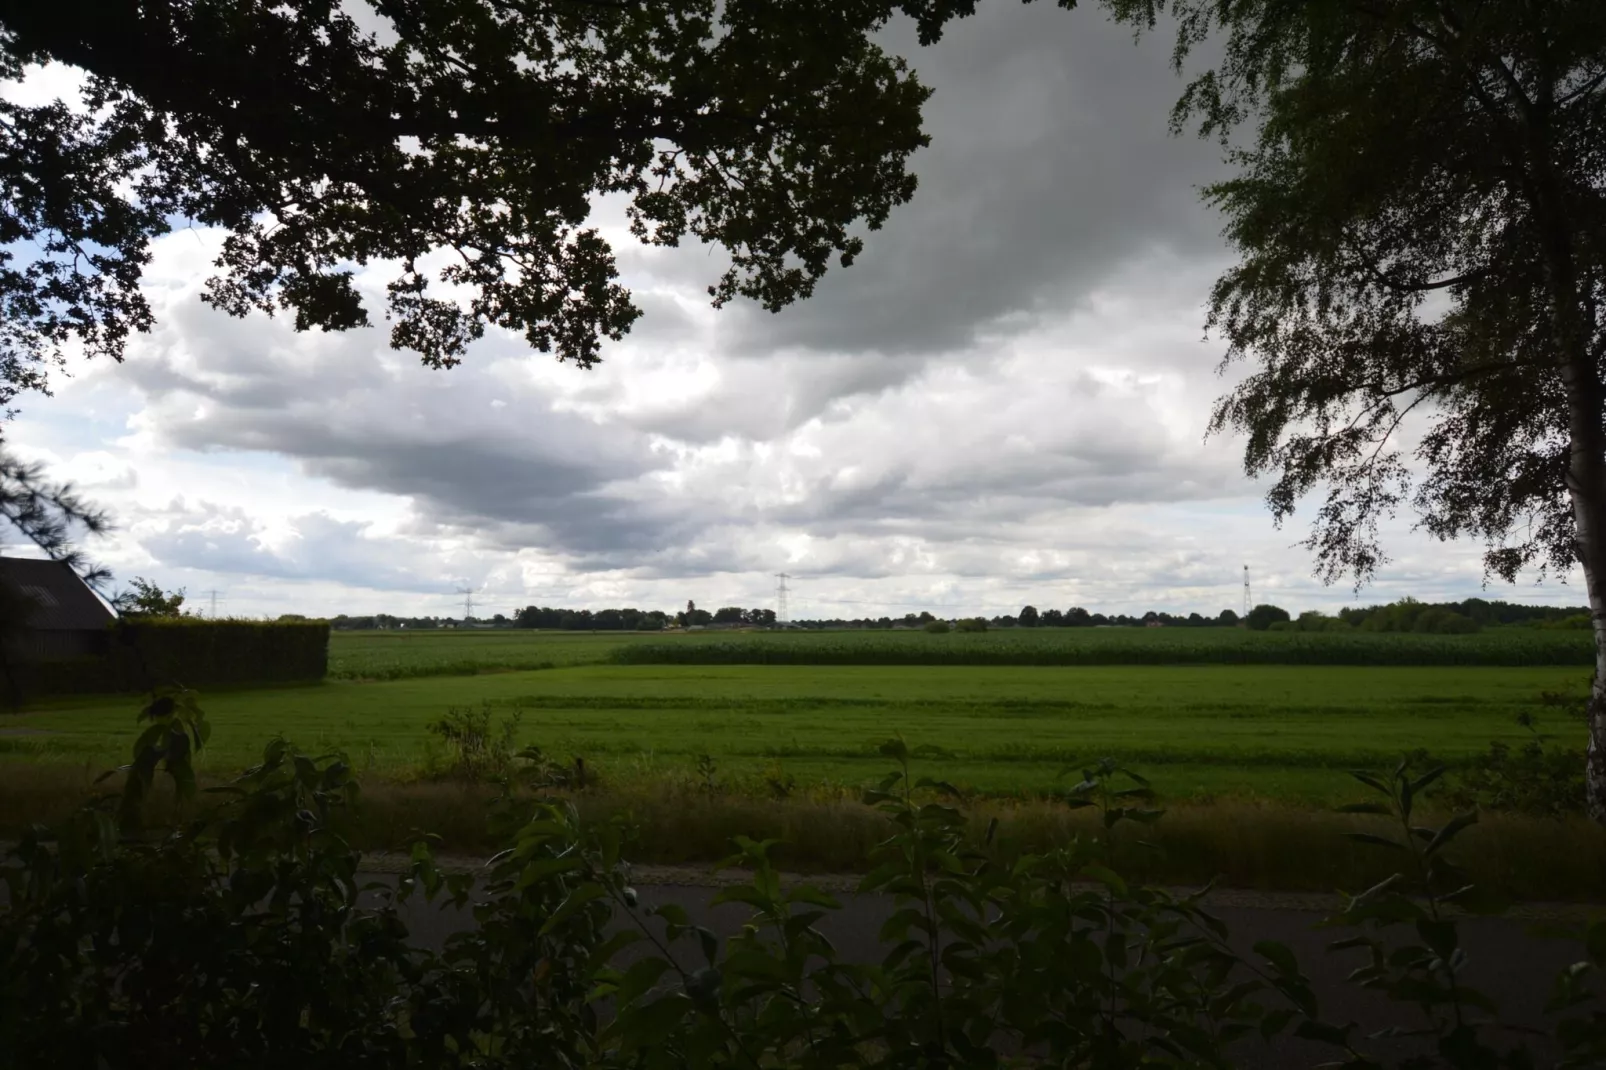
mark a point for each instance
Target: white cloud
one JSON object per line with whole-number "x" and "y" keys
{"x": 1003, "y": 402}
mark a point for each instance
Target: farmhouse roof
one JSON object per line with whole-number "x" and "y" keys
{"x": 65, "y": 602}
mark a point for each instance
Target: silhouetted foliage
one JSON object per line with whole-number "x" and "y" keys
{"x": 145, "y": 599}
{"x": 478, "y": 127}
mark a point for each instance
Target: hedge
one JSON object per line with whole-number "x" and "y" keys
{"x": 142, "y": 654}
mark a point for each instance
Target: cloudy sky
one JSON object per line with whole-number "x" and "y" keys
{"x": 1002, "y": 402}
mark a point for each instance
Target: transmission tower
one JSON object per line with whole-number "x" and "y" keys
{"x": 1248, "y": 601}
{"x": 780, "y": 598}
{"x": 212, "y": 614}
{"x": 468, "y": 603}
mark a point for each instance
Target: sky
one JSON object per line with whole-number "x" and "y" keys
{"x": 1003, "y": 402}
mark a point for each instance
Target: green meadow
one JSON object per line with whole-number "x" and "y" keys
{"x": 1249, "y": 739}
{"x": 1286, "y": 733}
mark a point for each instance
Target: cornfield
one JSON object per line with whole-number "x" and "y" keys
{"x": 1125, "y": 646}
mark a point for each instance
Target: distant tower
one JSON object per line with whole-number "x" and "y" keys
{"x": 213, "y": 614}
{"x": 780, "y": 598}
{"x": 468, "y": 602}
{"x": 1248, "y": 601}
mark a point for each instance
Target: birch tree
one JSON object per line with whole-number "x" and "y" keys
{"x": 1418, "y": 204}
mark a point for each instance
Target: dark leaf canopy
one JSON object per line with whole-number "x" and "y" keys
{"x": 1420, "y": 209}
{"x": 462, "y": 141}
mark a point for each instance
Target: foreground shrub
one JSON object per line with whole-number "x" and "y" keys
{"x": 240, "y": 937}
{"x": 1537, "y": 778}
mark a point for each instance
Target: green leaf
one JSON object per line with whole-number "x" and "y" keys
{"x": 1378, "y": 889}
{"x": 709, "y": 943}
{"x": 1450, "y": 831}
{"x": 1105, "y": 876}
{"x": 1481, "y": 899}
{"x": 1428, "y": 778}
{"x": 605, "y": 951}
{"x": 1279, "y": 955}
{"x": 646, "y": 1027}
{"x": 673, "y": 913}
{"x": 639, "y": 977}
{"x": 542, "y": 868}
{"x": 882, "y": 874}
{"x": 807, "y": 893}
{"x": 576, "y": 901}
{"x": 741, "y": 893}
{"x": 1378, "y": 841}
{"x": 1371, "y": 781}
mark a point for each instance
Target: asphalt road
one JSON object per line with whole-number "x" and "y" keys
{"x": 1505, "y": 961}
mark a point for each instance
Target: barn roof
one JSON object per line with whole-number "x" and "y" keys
{"x": 65, "y": 602}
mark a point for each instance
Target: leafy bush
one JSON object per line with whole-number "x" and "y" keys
{"x": 478, "y": 749}
{"x": 1535, "y": 778}
{"x": 239, "y": 936}
{"x": 971, "y": 624}
{"x": 937, "y": 627}
{"x": 1530, "y": 779}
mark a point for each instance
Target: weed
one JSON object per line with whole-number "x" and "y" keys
{"x": 478, "y": 750}
{"x": 706, "y": 770}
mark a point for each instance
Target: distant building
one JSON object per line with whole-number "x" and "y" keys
{"x": 70, "y": 619}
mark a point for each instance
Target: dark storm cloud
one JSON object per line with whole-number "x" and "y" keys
{"x": 1050, "y": 165}
{"x": 887, "y": 407}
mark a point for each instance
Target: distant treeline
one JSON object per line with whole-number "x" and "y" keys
{"x": 1405, "y": 615}
{"x": 574, "y": 620}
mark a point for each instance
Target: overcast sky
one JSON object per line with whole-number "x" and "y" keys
{"x": 1003, "y": 402}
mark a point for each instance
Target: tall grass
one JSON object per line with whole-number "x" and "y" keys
{"x": 1270, "y": 848}
{"x": 1125, "y": 646}
{"x": 679, "y": 821}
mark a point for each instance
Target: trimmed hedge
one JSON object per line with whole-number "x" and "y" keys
{"x": 196, "y": 653}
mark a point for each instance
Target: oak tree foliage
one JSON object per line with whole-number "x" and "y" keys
{"x": 461, "y": 141}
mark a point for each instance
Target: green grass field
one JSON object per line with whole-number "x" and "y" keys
{"x": 1274, "y": 732}
{"x": 1248, "y": 755}
{"x": 393, "y": 655}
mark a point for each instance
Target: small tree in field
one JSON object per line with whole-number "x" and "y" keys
{"x": 1263, "y": 617}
